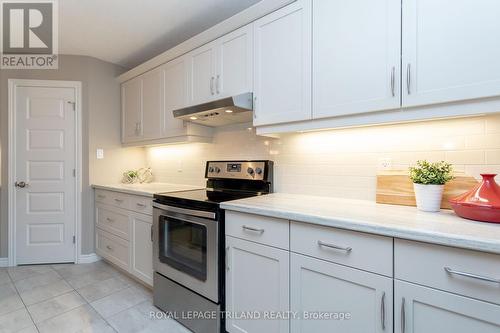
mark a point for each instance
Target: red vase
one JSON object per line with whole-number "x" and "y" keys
{"x": 482, "y": 203}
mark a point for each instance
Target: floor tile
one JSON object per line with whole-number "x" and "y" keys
{"x": 66, "y": 270}
{"x": 45, "y": 292}
{"x": 81, "y": 319}
{"x": 4, "y": 276}
{"x": 98, "y": 290}
{"x": 24, "y": 272}
{"x": 55, "y": 306}
{"x": 15, "y": 321}
{"x": 120, "y": 301}
{"x": 9, "y": 299}
{"x": 138, "y": 319}
{"x": 37, "y": 280}
{"x": 29, "y": 329}
{"x": 82, "y": 280}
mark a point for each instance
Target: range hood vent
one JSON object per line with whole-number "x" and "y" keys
{"x": 226, "y": 111}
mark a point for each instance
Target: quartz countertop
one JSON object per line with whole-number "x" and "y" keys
{"x": 443, "y": 228}
{"x": 147, "y": 189}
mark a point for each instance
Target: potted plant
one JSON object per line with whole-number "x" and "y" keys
{"x": 428, "y": 183}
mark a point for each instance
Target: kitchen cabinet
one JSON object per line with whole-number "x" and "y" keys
{"x": 356, "y": 56}
{"x": 152, "y": 104}
{"x": 142, "y": 258}
{"x": 221, "y": 68}
{"x": 256, "y": 281}
{"x": 132, "y": 110}
{"x": 450, "y": 51}
{"x": 421, "y": 310}
{"x": 361, "y": 300}
{"x": 282, "y": 69}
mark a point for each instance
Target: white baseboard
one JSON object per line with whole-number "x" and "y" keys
{"x": 88, "y": 258}
{"x": 4, "y": 262}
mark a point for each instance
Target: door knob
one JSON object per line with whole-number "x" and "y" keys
{"x": 21, "y": 184}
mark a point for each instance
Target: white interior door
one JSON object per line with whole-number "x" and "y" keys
{"x": 45, "y": 160}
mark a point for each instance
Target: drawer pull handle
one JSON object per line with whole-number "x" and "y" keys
{"x": 245, "y": 227}
{"x": 470, "y": 275}
{"x": 403, "y": 316}
{"x": 382, "y": 311}
{"x": 100, "y": 196}
{"x": 109, "y": 247}
{"x": 141, "y": 205}
{"x": 119, "y": 200}
{"x": 110, "y": 220}
{"x": 336, "y": 247}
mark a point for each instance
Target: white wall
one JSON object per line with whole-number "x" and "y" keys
{"x": 340, "y": 163}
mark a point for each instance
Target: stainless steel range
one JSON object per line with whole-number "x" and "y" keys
{"x": 188, "y": 245}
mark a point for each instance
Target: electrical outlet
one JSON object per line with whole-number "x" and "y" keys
{"x": 179, "y": 166}
{"x": 100, "y": 153}
{"x": 385, "y": 163}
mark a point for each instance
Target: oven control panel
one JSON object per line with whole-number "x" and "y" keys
{"x": 250, "y": 170}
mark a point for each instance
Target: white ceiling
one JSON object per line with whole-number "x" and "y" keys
{"x": 128, "y": 32}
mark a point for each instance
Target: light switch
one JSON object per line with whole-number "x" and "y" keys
{"x": 100, "y": 153}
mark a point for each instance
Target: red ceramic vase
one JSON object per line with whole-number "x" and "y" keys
{"x": 482, "y": 203}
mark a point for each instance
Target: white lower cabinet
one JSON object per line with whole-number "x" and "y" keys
{"x": 142, "y": 258}
{"x": 423, "y": 310}
{"x": 256, "y": 284}
{"x": 353, "y": 300}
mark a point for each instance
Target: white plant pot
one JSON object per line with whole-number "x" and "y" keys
{"x": 428, "y": 197}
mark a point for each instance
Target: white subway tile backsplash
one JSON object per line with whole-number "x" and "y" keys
{"x": 339, "y": 163}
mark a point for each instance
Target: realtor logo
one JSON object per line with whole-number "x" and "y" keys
{"x": 29, "y": 38}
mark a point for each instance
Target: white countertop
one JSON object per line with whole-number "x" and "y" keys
{"x": 147, "y": 189}
{"x": 396, "y": 221}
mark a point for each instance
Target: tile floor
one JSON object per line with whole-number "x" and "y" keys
{"x": 90, "y": 298}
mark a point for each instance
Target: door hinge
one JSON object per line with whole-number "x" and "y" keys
{"x": 73, "y": 104}
{"x": 74, "y": 172}
{"x": 74, "y": 239}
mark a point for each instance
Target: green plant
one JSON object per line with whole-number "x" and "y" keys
{"x": 428, "y": 173}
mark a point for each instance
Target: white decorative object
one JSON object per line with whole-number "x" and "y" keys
{"x": 428, "y": 197}
{"x": 145, "y": 175}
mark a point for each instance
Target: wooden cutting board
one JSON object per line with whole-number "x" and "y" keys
{"x": 396, "y": 188}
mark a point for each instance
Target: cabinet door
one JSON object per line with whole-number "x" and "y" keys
{"x": 152, "y": 104}
{"x": 319, "y": 287}
{"x": 450, "y": 50}
{"x": 356, "y": 56}
{"x": 142, "y": 247}
{"x": 256, "y": 280}
{"x": 202, "y": 74}
{"x": 175, "y": 78}
{"x": 132, "y": 110}
{"x": 423, "y": 310}
{"x": 282, "y": 72}
{"x": 235, "y": 63}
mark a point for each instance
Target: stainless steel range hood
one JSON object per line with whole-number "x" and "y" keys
{"x": 230, "y": 110}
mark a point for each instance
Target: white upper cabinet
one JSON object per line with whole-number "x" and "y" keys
{"x": 175, "y": 83}
{"x": 202, "y": 74}
{"x": 234, "y": 74}
{"x": 451, "y": 50}
{"x": 282, "y": 65}
{"x": 132, "y": 110}
{"x": 356, "y": 56}
{"x": 152, "y": 100}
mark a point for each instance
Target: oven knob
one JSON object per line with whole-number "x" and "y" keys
{"x": 211, "y": 169}
{"x": 258, "y": 171}
{"x": 250, "y": 171}
{"x": 217, "y": 169}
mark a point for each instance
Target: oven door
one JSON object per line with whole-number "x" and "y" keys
{"x": 186, "y": 248}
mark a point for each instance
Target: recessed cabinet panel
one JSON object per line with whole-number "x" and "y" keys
{"x": 175, "y": 76}
{"x": 356, "y": 56}
{"x": 202, "y": 74}
{"x": 131, "y": 110}
{"x": 152, "y": 100}
{"x": 450, "y": 50}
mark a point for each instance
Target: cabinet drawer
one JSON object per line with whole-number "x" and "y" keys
{"x": 140, "y": 204}
{"x": 259, "y": 229}
{"x": 112, "y": 198}
{"x": 356, "y": 249}
{"x": 113, "y": 221}
{"x": 427, "y": 264}
{"x": 113, "y": 248}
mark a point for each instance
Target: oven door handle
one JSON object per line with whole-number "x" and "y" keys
{"x": 192, "y": 212}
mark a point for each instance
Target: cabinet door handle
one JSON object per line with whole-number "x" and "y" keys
{"x": 382, "y": 311}
{"x": 408, "y": 78}
{"x": 152, "y": 234}
{"x": 140, "y": 204}
{"x": 109, "y": 247}
{"x": 110, "y": 220}
{"x": 227, "y": 258}
{"x": 403, "y": 316}
{"x": 471, "y": 275}
{"x": 333, "y": 246}
{"x": 217, "y": 84}
{"x": 393, "y": 78}
{"x": 245, "y": 227}
{"x": 212, "y": 85}
{"x": 255, "y": 107}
